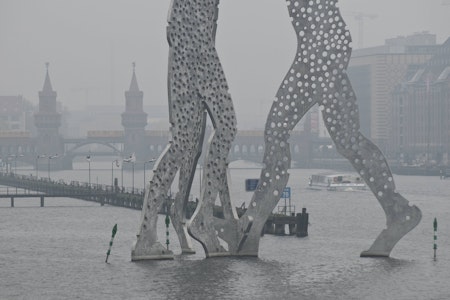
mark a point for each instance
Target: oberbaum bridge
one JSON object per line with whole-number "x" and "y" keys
{"x": 197, "y": 89}
{"x": 48, "y": 149}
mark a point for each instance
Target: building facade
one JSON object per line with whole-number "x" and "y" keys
{"x": 420, "y": 113}
{"x": 15, "y": 114}
{"x": 374, "y": 73}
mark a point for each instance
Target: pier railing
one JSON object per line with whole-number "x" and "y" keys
{"x": 25, "y": 186}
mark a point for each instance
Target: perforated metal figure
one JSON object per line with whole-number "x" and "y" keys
{"x": 318, "y": 76}
{"x": 196, "y": 88}
{"x": 197, "y": 84}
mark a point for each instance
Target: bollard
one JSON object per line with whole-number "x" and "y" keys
{"x": 269, "y": 227}
{"x": 12, "y": 201}
{"x": 302, "y": 223}
{"x": 279, "y": 229}
{"x": 292, "y": 229}
{"x": 42, "y": 201}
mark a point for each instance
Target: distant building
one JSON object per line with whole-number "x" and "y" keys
{"x": 375, "y": 71}
{"x": 15, "y": 131}
{"x": 420, "y": 112}
{"x": 15, "y": 114}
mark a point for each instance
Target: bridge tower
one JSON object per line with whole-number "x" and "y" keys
{"x": 47, "y": 121}
{"x": 134, "y": 120}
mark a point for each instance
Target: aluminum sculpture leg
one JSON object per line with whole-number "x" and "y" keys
{"x": 187, "y": 171}
{"x": 147, "y": 245}
{"x": 341, "y": 116}
{"x": 202, "y": 226}
{"x": 370, "y": 163}
{"x": 318, "y": 76}
{"x": 284, "y": 115}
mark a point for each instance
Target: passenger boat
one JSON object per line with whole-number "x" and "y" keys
{"x": 336, "y": 182}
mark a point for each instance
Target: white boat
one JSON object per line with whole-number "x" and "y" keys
{"x": 336, "y": 182}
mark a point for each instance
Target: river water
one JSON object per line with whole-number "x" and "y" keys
{"x": 59, "y": 251}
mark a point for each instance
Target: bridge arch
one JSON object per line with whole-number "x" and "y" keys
{"x": 82, "y": 144}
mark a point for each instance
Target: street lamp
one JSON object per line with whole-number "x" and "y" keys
{"x": 116, "y": 161}
{"x": 37, "y": 163}
{"x": 15, "y": 156}
{"x": 4, "y": 161}
{"x": 8, "y": 165}
{"x": 88, "y": 158}
{"x": 147, "y": 162}
{"x": 49, "y": 158}
{"x": 11, "y": 156}
{"x": 132, "y": 177}
{"x": 130, "y": 159}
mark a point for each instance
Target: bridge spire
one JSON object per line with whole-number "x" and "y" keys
{"x": 134, "y": 120}
{"x": 47, "y": 89}
{"x": 47, "y": 121}
{"x": 134, "y": 85}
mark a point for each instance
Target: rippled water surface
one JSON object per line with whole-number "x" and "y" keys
{"x": 58, "y": 252}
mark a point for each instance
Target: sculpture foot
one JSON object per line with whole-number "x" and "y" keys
{"x": 187, "y": 251}
{"x": 184, "y": 238}
{"x": 144, "y": 251}
{"x": 242, "y": 254}
{"x": 246, "y": 248}
{"x": 402, "y": 223}
{"x": 206, "y": 235}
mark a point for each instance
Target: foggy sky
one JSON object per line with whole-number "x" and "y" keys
{"x": 91, "y": 45}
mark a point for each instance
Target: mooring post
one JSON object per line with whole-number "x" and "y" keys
{"x": 435, "y": 224}
{"x": 167, "y": 228}
{"x": 302, "y": 223}
{"x": 42, "y": 201}
{"x": 12, "y": 201}
{"x": 292, "y": 230}
{"x": 108, "y": 253}
{"x": 269, "y": 227}
{"x": 279, "y": 229}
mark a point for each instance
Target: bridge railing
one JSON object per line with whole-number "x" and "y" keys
{"x": 27, "y": 183}
{"x": 21, "y": 184}
{"x": 107, "y": 188}
{"x": 8, "y": 190}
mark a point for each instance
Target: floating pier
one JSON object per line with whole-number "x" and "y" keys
{"x": 297, "y": 224}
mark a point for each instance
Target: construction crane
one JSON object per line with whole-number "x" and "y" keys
{"x": 360, "y": 18}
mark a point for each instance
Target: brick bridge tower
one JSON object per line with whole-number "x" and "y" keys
{"x": 49, "y": 142}
{"x": 134, "y": 120}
